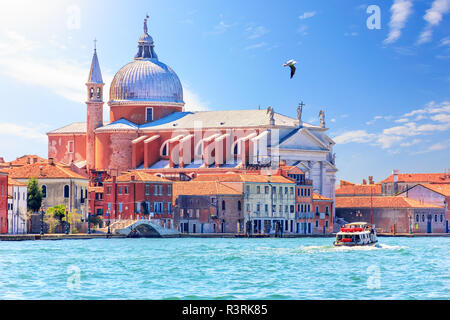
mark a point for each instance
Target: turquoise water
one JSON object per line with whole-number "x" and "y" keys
{"x": 306, "y": 268}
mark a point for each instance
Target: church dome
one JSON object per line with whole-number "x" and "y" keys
{"x": 146, "y": 79}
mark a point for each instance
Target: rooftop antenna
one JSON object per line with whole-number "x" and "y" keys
{"x": 95, "y": 43}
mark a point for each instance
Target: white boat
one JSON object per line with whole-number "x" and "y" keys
{"x": 356, "y": 234}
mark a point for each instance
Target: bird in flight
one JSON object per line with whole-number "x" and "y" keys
{"x": 291, "y": 64}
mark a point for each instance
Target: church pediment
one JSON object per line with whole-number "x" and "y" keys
{"x": 302, "y": 139}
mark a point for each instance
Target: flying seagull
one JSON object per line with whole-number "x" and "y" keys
{"x": 291, "y": 63}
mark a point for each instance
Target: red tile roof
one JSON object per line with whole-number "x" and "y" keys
{"x": 443, "y": 189}
{"x": 351, "y": 189}
{"x": 43, "y": 170}
{"x": 138, "y": 176}
{"x": 420, "y": 177}
{"x": 381, "y": 202}
{"x": 203, "y": 188}
{"x": 236, "y": 177}
{"x": 95, "y": 189}
{"x": 24, "y": 160}
{"x": 317, "y": 196}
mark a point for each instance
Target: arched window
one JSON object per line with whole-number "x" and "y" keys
{"x": 44, "y": 191}
{"x": 417, "y": 218}
{"x": 66, "y": 191}
{"x": 223, "y": 204}
{"x": 164, "y": 152}
{"x": 240, "y": 208}
{"x": 99, "y": 93}
{"x": 91, "y": 93}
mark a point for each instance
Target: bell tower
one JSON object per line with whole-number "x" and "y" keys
{"x": 94, "y": 108}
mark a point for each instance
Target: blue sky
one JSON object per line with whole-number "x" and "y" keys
{"x": 385, "y": 91}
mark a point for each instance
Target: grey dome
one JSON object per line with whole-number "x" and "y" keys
{"x": 146, "y": 80}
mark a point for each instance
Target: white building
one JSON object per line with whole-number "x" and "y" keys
{"x": 17, "y": 207}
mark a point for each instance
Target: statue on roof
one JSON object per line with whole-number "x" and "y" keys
{"x": 299, "y": 111}
{"x": 271, "y": 112}
{"x": 322, "y": 118}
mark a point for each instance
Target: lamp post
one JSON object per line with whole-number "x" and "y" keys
{"x": 42, "y": 220}
{"x": 89, "y": 221}
{"x": 109, "y": 221}
{"x": 67, "y": 222}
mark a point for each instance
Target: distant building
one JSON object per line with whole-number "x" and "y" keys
{"x": 323, "y": 214}
{"x": 437, "y": 194}
{"x": 60, "y": 186}
{"x": 349, "y": 189}
{"x": 21, "y": 161}
{"x": 393, "y": 214}
{"x": 269, "y": 201}
{"x": 400, "y": 182}
{"x": 17, "y": 207}
{"x": 138, "y": 195}
{"x": 3, "y": 202}
{"x": 208, "y": 207}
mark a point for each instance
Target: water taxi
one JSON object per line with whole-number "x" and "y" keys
{"x": 356, "y": 234}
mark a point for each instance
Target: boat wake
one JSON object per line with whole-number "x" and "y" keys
{"x": 378, "y": 246}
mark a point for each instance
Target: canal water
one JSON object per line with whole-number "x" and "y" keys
{"x": 187, "y": 268}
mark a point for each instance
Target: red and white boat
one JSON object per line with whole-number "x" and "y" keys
{"x": 356, "y": 234}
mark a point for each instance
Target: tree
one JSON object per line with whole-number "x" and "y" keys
{"x": 34, "y": 196}
{"x": 73, "y": 217}
{"x": 59, "y": 212}
{"x": 51, "y": 220}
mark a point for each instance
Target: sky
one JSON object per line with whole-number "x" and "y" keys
{"x": 378, "y": 69}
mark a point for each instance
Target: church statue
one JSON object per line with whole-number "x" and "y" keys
{"x": 271, "y": 112}
{"x": 322, "y": 118}
{"x": 299, "y": 111}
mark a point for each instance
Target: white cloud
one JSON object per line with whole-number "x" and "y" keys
{"x": 28, "y": 132}
{"x": 256, "y": 46}
{"x": 302, "y": 30}
{"x": 401, "y": 10}
{"x": 255, "y": 32}
{"x": 358, "y": 136}
{"x": 445, "y": 41}
{"x": 438, "y": 120}
{"x": 433, "y": 17}
{"x": 307, "y": 15}
{"x": 192, "y": 100}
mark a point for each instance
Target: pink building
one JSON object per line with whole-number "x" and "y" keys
{"x": 3, "y": 203}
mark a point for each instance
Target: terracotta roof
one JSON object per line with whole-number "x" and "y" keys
{"x": 43, "y": 171}
{"x": 12, "y": 182}
{"x": 24, "y": 160}
{"x": 381, "y": 202}
{"x": 138, "y": 176}
{"x": 202, "y": 188}
{"x": 420, "y": 177}
{"x": 317, "y": 196}
{"x": 351, "y": 189}
{"x": 443, "y": 189}
{"x": 236, "y": 177}
{"x": 291, "y": 170}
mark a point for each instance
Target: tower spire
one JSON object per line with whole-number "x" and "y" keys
{"x": 95, "y": 74}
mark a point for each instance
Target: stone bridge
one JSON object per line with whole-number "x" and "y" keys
{"x": 146, "y": 229}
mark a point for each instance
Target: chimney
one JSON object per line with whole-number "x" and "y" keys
{"x": 2, "y": 160}
{"x": 371, "y": 180}
{"x": 28, "y": 160}
{"x": 132, "y": 178}
{"x": 40, "y": 171}
{"x": 50, "y": 161}
{"x": 395, "y": 173}
{"x": 364, "y": 181}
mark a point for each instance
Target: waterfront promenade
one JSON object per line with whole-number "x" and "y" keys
{"x": 85, "y": 236}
